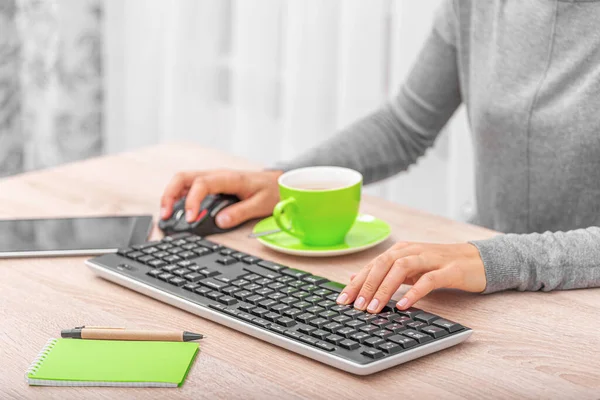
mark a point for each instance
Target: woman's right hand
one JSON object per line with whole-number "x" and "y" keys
{"x": 258, "y": 192}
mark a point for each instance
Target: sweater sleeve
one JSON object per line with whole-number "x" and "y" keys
{"x": 547, "y": 261}
{"x": 392, "y": 138}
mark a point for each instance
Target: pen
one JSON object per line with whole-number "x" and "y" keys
{"x": 106, "y": 333}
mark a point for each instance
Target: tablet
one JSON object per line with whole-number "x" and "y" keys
{"x": 71, "y": 236}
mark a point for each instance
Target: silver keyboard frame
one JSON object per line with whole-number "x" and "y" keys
{"x": 276, "y": 339}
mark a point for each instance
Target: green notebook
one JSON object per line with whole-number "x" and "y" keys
{"x": 74, "y": 362}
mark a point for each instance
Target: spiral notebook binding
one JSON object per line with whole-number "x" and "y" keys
{"x": 35, "y": 365}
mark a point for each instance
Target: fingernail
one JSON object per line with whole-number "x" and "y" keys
{"x": 373, "y": 305}
{"x": 163, "y": 213}
{"x": 359, "y": 303}
{"x": 402, "y": 302}
{"x": 223, "y": 220}
{"x": 189, "y": 216}
{"x": 342, "y": 298}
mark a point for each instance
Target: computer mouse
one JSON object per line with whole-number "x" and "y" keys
{"x": 205, "y": 222}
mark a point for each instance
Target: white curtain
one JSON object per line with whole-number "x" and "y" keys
{"x": 268, "y": 79}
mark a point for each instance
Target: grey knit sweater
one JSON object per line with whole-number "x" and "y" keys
{"x": 529, "y": 75}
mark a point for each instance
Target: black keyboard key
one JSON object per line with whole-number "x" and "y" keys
{"x": 346, "y": 332}
{"x": 382, "y": 333}
{"x": 288, "y": 300}
{"x": 360, "y": 337}
{"x": 193, "y": 267}
{"x": 315, "y": 280}
{"x": 293, "y": 334}
{"x": 165, "y": 276}
{"x": 214, "y": 295}
{"x": 267, "y": 303}
{"x": 435, "y": 331}
{"x": 209, "y": 245}
{"x": 242, "y": 294}
{"x": 402, "y": 320}
{"x": 271, "y": 316}
{"x": 245, "y": 307}
{"x": 189, "y": 246}
{"x": 403, "y": 341}
{"x": 315, "y": 309}
{"x": 172, "y": 258}
{"x": 296, "y": 284}
{"x": 426, "y": 317}
{"x": 203, "y": 290}
{"x": 170, "y": 268}
{"x": 186, "y": 255}
{"x": 185, "y": 263}
{"x": 260, "y": 311}
{"x": 326, "y": 314}
{"x": 276, "y": 296}
{"x": 448, "y": 325}
{"x": 201, "y": 251}
{"x": 177, "y": 281}
{"x": 191, "y": 286}
{"x": 341, "y": 308}
{"x": 208, "y": 272}
{"x": 288, "y": 290}
{"x": 226, "y": 252}
{"x": 275, "y": 285}
{"x": 219, "y": 307}
{"x": 335, "y": 339}
{"x": 322, "y": 292}
{"x": 227, "y": 260}
{"x": 349, "y": 344}
{"x": 325, "y": 346}
{"x": 368, "y": 329}
{"x": 277, "y": 328}
{"x": 307, "y": 329}
{"x": 172, "y": 250}
{"x": 294, "y": 273}
{"x": 272, "y": 266}
{"x": 265, "y": 273}
{"x": 181, "y": 271}
{"x": 313, "y": 299}
{"x": 374, "y": 341}
{"x": 366, "y": 317}
{"x": 355, "y": 324}
{"x": 354, "y": 313}
{"x": 157, "y": 263}
{"x": 303, "y": 305}
{"x": 252, "y": 287}
{"x": 318, "y": 322}
{"x": 390, "y": 348}
{"x": 239, "y": 255}
{"x": 309, "y": 339}
{"x": 332, "y": 327}
{"x": 155, "y": 273}
{"x": 144, "y": 245}
{"x": 327, "y": 303}
{"x": 251, "y": 277}
{"x": 332, "y": 296}
{"x": 150, "y": 250}
{"x": 161, "y": 254}
{"x": 416, "y": 325}
{"x": 342, "y": 319}
{"x": 373, "y": 353}
{"x": 263, "y": 291}
{"x": 246, "y": 316}
{"x": 418, "y": 336}
{"x": 395, "y": 327}
{"x": 285, "y": 279}
{"x": 309, "y": 287}
{"x": 193, "y": 238}
{"x": 411, "y": 312}
{"x": 381, "y": 322}
{"x": 261, "y": 322}
{"x": 333, "y": 286}
{"x": 224, "y": 278}
{"x": 300, "y": 295}
{"x": 263, "y": 281}
{"x": 251, "y": 260}
{"x": 164, "y": 246}
{"x": 286, "y": 321}
{"x": 292, "y": 312}
{"x": 255, "y": 299}
{"x": 240, "y": 282}
{"x": 214, "y": 284}
{"x": 305, "y": 317}
{"x": 228, "y": 300}
{"x": 280, "y": 308}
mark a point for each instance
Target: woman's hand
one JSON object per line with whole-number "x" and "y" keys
{"x": 425, "y": 266}
{"x": 258, "y": 191}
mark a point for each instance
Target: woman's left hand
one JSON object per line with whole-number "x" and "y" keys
{"x": 425, "y": 266}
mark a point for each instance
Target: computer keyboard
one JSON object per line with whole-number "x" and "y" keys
{"x": 279, "y": 304}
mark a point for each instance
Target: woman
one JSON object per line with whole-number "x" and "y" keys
{"x": 529, "y": 75}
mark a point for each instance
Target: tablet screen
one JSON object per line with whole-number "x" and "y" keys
{"x": 57, "y": 234}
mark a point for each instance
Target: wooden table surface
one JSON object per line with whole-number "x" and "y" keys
{"x": 525, "y": 345}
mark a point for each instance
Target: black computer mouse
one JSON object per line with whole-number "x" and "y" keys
{"x": 205, "y": 222}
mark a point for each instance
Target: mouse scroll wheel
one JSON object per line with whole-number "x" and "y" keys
{"x": 219, "y": 207}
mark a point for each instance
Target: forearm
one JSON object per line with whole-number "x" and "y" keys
{"x": 548, "y": 261}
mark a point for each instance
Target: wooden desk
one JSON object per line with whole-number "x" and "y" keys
{"x": 525, "y": 345}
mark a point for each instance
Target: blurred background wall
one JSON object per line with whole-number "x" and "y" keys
{"x": 264, "y": 79}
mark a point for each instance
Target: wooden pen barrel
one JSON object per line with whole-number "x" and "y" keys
{"x": 122, "y": 334}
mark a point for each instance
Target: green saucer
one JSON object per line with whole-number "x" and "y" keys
{"x": 366, "y": 232}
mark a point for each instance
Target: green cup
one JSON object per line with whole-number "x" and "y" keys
{"x": 318, "y": 204}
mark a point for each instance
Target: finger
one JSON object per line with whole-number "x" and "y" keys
{"x": 352, "y": 277}
{"x": 180, "y": 182}
{"x": 228, "y": 182}
{"x": 430, "y": 281}
{"x": 254, "y": 207}
{"x": 400, "y": 270}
